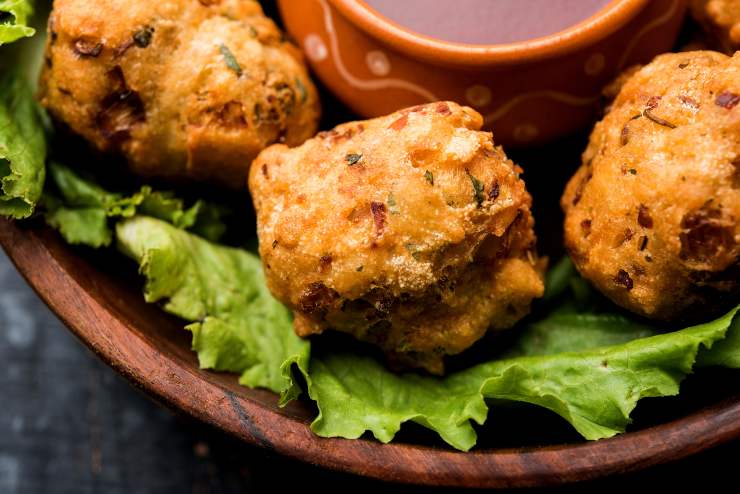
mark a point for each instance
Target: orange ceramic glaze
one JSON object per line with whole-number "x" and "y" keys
{"x": 529, "y": 92}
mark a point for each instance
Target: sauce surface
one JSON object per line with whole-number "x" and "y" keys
{"x": 483, "y": 22}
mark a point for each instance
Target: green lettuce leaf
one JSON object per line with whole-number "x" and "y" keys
{"x": 236, "y": 324}
{"x": 22, "y": 147}
{"x": 566, "y": 331}
{"x": 725, "y": 353}
{"x": 80, "y": 209}
{"x": 79, "y": 226}
{"x": 594, "y": 389}
{"x": 14, "y": 16}
{"x": 590, "y": 368}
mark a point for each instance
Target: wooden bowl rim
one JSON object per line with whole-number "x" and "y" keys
{"x": 185, "y": 389}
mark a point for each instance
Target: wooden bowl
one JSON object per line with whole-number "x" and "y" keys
{"x": 105, "y": 309}
{"x": 529, "y": 92}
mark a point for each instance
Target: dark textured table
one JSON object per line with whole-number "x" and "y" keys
{"x": 69, "y": 424}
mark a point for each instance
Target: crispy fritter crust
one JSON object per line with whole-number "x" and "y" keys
{"x": 721, "y": 20}
{"x": 652, "y": 213}
{"x": 409, "y": 231}
{"x": 183, "y": 88}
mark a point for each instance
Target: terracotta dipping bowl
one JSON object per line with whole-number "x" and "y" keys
{"x": 529, "y": 92}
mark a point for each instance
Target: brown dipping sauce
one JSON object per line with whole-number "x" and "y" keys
{"x": 485, "y": 22}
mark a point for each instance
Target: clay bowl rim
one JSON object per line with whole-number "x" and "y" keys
{"x": 604, "y": 22}
{"x": 45, "y": 262}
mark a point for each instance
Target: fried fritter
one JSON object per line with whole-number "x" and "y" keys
{"x": 409, "y": 231}
{"x": 652, "y": 213}
{"x": 183, "y": 88}
{"x": 721, "y": 20}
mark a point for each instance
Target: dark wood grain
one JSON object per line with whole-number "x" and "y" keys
{"x": 151, "y": 350}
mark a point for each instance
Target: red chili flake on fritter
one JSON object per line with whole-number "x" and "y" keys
{"x": 586, "y": 228}
{"x": 623, "y": 278}
{"x": 325, "y": 262}
{"x": 230, "y": 116}
{"x": 87, "y": 48}
{"x": 706, "y": 235}
{"x": 495, "y": 191}
{"x": 379, "y": 215}
{"x": 316, "y": 298}
{"x": 624, "y": 136}
{"x": 443, "y": 109}
{"x": 727, "y": 100}
{"x": 120, "y": 110}
{"x": 643, "y": 217}
{"x": 400, "y": 123}
{"x": 653, "y": 102}
{"x": 689, "y": 101}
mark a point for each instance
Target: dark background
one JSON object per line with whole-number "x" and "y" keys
{"x": 70, "y": 424}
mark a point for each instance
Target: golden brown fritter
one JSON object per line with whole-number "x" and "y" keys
{"x": 409, "y": 231}
{"x": 652, "y": 214}
{"x": 183, "y": 88}
{"x": 721, "y": 20}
